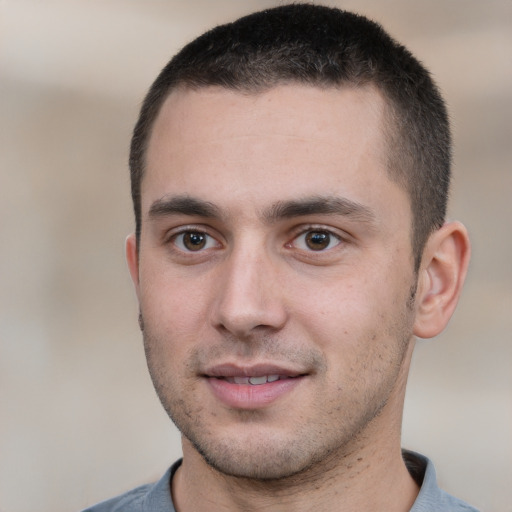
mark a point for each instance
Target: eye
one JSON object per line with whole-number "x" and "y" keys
{"x": 194, "y": 241}
{"x": 316, "y": 240}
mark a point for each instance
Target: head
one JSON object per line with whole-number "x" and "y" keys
{"x": 282, "y": 177}
{"x": 323, "y": 47}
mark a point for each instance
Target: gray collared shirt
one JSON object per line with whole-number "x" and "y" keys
{"x": 157, "y": 497}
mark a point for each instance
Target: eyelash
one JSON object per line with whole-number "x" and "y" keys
{"x": 332, "y": 239}
{"x": 177, "y": 240}
{"x": 316, "y": 230}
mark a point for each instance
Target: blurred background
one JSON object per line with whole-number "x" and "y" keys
{"x": 79, "y": 420}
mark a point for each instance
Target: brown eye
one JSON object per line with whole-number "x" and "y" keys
{"x": 194, "y": 241}
{"x": 317, "y": 240}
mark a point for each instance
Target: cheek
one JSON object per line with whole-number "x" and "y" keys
{"x": 356, "y": 314}
{"x": 171, "y": 302}
{"x": 338, "y": 306}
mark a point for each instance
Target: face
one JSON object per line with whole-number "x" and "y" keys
{"x": 274, "y": 276}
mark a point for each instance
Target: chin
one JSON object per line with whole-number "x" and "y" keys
{"x": 265, "y": 455}
{"x": 258, "y": 463}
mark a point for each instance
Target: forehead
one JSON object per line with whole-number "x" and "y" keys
{"x": 293, "y": 110}
{"x": 284, "y": 142}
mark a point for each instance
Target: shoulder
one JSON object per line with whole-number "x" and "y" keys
{"x": 146, "y": 498}
{"x": 431, "y": 497}
{"x": 127, "y": 502}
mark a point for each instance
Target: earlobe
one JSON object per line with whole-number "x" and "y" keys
{"x": 132, "y": 258}
{"x": 441, "y": 277}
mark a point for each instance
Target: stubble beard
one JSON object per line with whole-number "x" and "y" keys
{"x": 307, "y": 449}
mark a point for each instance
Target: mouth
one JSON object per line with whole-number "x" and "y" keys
{"x": 252, "y": 375}
{"x": 256, "y": 381}
{"x": 251, "y": 387}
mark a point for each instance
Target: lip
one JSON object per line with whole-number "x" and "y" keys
{"x": 253, "y": 370}
{"x": 248, "y": 396}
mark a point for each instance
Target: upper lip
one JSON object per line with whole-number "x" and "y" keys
{"x": 253, "y": 370}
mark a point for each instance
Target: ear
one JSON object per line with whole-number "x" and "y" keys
{"x": 132, "y": 258}
{"x": 441, "y": 276}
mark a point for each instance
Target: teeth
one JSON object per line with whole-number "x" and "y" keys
{"x": 255, "y": 381}
{"x": 258, "y": 380}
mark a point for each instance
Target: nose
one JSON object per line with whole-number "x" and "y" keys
{"x": 250, "y": 295}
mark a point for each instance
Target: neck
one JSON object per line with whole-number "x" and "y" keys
{"x": 363, "y": 482}
{"x": 367, "y": 476}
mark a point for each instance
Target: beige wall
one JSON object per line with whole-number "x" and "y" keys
{"x": 79, "y": 420}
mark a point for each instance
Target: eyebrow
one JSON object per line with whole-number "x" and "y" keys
{"x": 183, "y": 205}
{"x": 320, "y": 205}
{"x": 314, "y": 205}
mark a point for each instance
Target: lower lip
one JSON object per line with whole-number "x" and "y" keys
{"x": 246, "y": 396}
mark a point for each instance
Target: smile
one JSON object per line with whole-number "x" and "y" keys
{"x": 251, "y": 387}
{"x": 256, "y": 381}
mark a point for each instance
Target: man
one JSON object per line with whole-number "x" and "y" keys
{"x": 290, "y": 174}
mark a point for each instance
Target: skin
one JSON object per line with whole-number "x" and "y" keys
{"x": 274, "y": 242}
